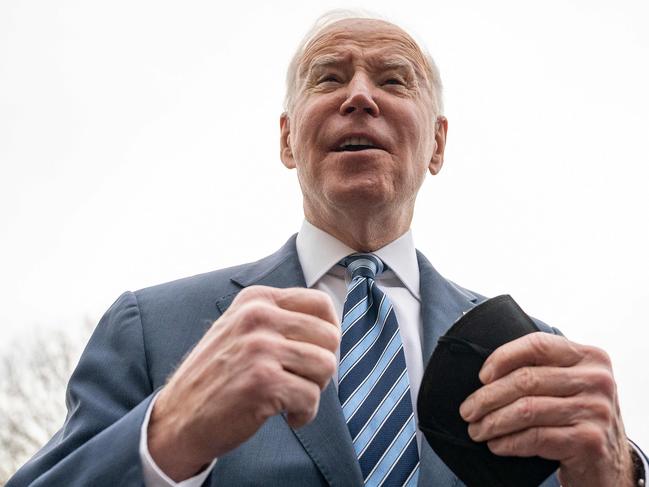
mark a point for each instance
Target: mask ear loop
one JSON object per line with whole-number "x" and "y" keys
{"x": 460, "y": 345}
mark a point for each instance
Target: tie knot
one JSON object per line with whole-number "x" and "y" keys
{"x": 363, "y": 265}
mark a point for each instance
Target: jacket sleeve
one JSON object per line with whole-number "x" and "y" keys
{"x": 107, "y": 398}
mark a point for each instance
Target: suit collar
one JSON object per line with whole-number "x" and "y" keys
{"x": 281, "y": 269}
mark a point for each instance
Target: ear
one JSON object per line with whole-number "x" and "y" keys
{"x": 437, "y": 160}
{"x": 285, "y": 152}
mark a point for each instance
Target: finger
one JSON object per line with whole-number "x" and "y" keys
{"x": 308, "y": 328}
{"x": 263, "y": 316}
{"x": 302, "y": 359}
{"x": 533, "y": 349}
{"x": 307, "y": 360}
{"x": 526, "y": 381}
{"x": 309, "y": 301}
{"x": 553, "y": 443}
{"x": 529, "y": 412}
{"x": 299, "y": 399}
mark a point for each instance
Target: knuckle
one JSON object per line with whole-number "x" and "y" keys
{"x": 526, "y": 380}
{"x": 306, "y": 405}
{"x": 324, "y": 304}
{"x": 321, "y": 298}
{"x": 261, "y": 376}
{"x": 599, "y": 355}
{"x": 591, "y": 439}
{"x": 332, "y": 338}
{"x": 263, "y": 411}
{"x": 329, "y": 365}
{"x": 489, "y": 424}
{"x": 313, "y": 397}
{"x": 539, "y": 440}
{"x": 257, "y": 344}
{"x": 254, "y": 314}
{"x": 247, "y": 293}
{"x": 313, "y": 402}
{"x": 539, "y": 342}
{"x": 526, "y": 409}
{"x": 326, "y": 367}
{"x": 602, "y": 411}
{"x": 602, "y": 380}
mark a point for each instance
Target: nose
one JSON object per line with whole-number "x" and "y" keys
{"x": 360, "y": 98}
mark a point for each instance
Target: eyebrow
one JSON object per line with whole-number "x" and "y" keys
{"x": 398, "y": 63}
{"x": 383, "y": 64}
{"x": 395, "y": 63}
{"x": 322, "y": 62}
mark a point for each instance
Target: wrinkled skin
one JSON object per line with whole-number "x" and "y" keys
{"x": 362, "y": 77}
{"x": 545, "y": 395}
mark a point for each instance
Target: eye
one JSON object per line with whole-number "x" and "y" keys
{"x": 329, "y": 78}
{"x": 394, "y": 81}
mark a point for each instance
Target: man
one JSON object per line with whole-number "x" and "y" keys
{"x": 260, "y": 397}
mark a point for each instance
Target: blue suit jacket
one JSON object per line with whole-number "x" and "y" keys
{"x": 146, "y": 334}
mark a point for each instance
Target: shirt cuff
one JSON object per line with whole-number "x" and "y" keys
{"x": 153, "y": 475}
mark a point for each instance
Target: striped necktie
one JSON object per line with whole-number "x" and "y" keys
{"x": 373, "y": 384}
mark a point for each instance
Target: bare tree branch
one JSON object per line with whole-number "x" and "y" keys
{"x": 34, "y": 371}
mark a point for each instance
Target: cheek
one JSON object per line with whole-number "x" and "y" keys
{"x": 425, "y": 136}
{"x": 311, "y": 113}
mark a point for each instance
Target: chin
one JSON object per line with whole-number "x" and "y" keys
{"x": 361, "y": 194}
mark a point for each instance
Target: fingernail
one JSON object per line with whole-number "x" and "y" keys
{"x": 466, "y": 409}
{"x": 494, "y": 446}
{"x": 486, "y": 374}
{"x": 474, "y": 432}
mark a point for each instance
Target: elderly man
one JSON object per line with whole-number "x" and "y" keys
{"x": 303, "y": 367}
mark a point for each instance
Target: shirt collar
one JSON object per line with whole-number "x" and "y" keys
{"x": 318, "y": 252}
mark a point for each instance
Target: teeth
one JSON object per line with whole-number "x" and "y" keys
{"x": 356, "y": 141}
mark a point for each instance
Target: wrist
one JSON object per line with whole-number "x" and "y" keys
{"x": 173, "y": 454}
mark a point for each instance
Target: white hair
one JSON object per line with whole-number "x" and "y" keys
{"x": 333, "y": 16}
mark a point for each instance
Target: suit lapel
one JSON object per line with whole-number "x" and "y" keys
{"x": 328, "y": 442}
{"x": 442, "y": 303}
{"x": 326, "y": 439}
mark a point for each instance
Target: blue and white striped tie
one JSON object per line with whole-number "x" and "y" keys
{"x": 373, "y": 384}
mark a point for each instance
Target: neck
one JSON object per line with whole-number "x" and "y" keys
{"x": 361, "y": 231}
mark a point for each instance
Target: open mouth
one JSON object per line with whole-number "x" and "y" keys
{"x": 354, "y": 148}
{"x": 356, "y": 144}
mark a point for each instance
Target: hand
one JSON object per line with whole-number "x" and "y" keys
{"x": 271, "y": 352}
{"x": 547, "y": 396}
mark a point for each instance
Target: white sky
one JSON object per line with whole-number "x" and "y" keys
{"x": 139, "y": 143}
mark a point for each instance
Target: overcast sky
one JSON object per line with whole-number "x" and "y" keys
{"x": 139, "y": 144}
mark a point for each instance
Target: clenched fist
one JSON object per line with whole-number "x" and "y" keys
{"x": 273, "y": 351}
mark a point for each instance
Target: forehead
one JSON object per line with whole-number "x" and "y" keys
{"x": 365, "y": 40}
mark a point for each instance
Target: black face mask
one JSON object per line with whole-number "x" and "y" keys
{"x": 452, "y": 375}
